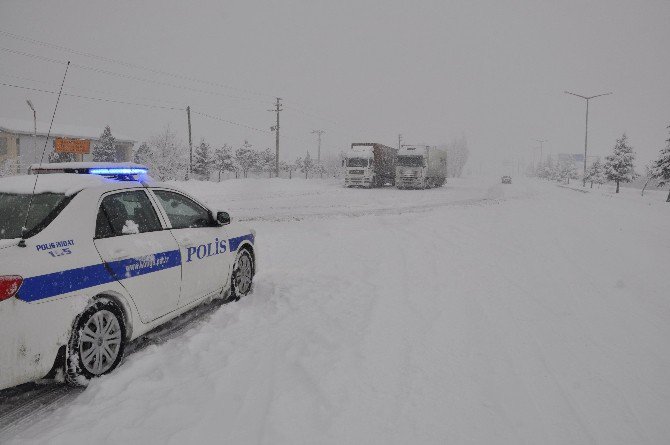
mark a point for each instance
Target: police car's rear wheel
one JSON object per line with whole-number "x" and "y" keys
{"x": 243, "y": 273}
{"x": 97, "y": 343}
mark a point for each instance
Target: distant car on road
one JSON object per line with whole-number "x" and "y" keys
{"x": 96, "y": 257}
{"x": 506, "y": 179}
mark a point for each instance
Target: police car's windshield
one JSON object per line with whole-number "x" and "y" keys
{"x": 14, "y": 206}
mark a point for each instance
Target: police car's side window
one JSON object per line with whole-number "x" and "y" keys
{"x": 182, "y": 211}
{"x": 126, "y": 213}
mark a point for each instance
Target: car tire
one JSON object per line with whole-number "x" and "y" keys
{"x": 96, "y": 344}
{"x": 241, "y": 280}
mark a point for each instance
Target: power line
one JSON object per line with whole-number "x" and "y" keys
{"x": 100, "y": 99}
{"x": 230, "y": 122}
{"x": 161, "y": 83}
{"x": 83, "y": 89}
{"x": 300, "y": 110}
{"x": 126, "y": 76}
{"x": 128, "y": 64}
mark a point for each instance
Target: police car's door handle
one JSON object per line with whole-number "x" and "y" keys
{"x": 120, "y": 254}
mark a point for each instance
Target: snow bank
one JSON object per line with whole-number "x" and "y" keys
{"x": 528, "y": 314}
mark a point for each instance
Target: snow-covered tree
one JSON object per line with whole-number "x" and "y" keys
{"x": 202, "y": 160}
{"x": 289, "y": 167}
{"x": 246, "y": 158}
{"x": 168, "y": 156}
{"x": 596, "y": 173}
{"x": 548, "y": 169}
{"x": 105, "y": 150}
{"x": 306, "y": 164}
{"x": 143, "y": 155}
{"x": 319, "y": 169}
{"x": 266, "y": 162}
{"x": 567, "y": 171}
{"x": 223, "y": 160}
{"x": 661, "y": 167}
{"x": 619, "y": 165}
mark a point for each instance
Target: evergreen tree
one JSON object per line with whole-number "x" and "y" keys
{"x": 202, "y": 162}
{"x": 223, "y": 160}
{"x": 105, "y": 150}
{"x": 306, "y": 164}
{"x": 661, "y": 167}
{"x": 596, "y": 173}
{"x": 619, "y": 165}
{"x": 143, "y": 155}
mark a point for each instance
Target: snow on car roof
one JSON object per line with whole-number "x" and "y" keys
{"x": 65, "y": 183}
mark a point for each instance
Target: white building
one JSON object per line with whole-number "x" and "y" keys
{"x": 19, "y": 148}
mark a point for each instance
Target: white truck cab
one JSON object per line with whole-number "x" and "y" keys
{"x": 420, "y": 167}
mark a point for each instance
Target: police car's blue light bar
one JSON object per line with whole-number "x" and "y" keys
{"x": 118, "y": 171}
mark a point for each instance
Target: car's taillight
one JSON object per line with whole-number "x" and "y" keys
{"x": 9, "y": 286}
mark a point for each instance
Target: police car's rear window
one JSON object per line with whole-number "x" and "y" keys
{"x": 14, "y": 207}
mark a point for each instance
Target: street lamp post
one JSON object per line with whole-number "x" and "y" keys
{"x": 30, "y": 104}
{"x": 586, "y": 134}
{"x": 541, "y": 141}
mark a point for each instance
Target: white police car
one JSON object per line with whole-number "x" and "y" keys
{"x": 100, "y": 258}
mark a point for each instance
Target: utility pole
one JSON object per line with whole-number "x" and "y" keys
{"x": 399, "y": 141}
{"x": 318, "y": 153}
{"x": 30, "y": 104}
{"x": 190, "y": 143}
{"x": 277, "y": 109}
{"x": 586, "y": 134}
{"x": 541, "y": 141}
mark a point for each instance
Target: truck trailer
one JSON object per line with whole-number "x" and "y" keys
{"x": 369, "y": 164}
{"x": 420, "y": 167}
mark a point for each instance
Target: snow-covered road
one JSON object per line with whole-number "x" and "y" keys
{"x": 476, "y": 313}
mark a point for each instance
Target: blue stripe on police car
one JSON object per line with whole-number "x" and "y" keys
{"x": 50, "y": 285}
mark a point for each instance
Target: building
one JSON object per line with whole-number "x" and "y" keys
{"x": 19, "y": 148}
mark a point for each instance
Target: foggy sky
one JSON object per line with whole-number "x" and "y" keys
{"x": 493, "y": 71}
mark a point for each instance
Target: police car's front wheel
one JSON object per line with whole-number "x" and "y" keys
{"x": 243, "y": 274}
{"x": 96, "y": 344}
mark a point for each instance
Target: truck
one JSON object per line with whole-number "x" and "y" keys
{"x": 369, "y": 164}
{"x": 421, "y": 166}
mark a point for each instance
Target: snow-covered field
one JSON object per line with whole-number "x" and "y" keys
{"x": 474, "y": 313}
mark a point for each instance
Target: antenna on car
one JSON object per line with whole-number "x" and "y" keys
{"x": 24, "y": 229}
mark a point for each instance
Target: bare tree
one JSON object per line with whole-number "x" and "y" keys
{"x": 168, "y": 160}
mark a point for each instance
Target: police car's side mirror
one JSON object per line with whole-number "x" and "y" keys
{"x": 223, "y": 218}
